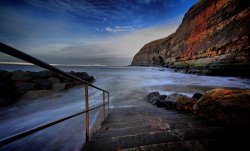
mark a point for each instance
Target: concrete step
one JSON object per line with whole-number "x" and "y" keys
{"x": 165, "y": 119}
{"x": 196, "y": 145}
{"x": 135, "y": 129}
{"x": 156, "y": 137}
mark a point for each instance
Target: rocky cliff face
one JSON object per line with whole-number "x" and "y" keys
{"x": 213, "y": 34}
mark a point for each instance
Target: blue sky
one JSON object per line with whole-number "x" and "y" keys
{"x": 106, "y": 32}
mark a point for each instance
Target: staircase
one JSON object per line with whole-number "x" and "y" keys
{"x": 158, "y": 129}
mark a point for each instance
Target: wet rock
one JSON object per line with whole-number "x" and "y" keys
{"x": 83, "y": 75}
{"x": 184, "y": 103}
{"x": 170, "y": 105}
{"x": 7, "y": 100}
{"x": 20, "y": 76}
{"x": 42, "y": 84}
{"x": 170, "y": 101}
{"x": 160, "y": 101}
{"x": 230, "y": 106}
{"x": 152, "y": 97}
{"x": 59, "y": 86}
{"x": 34, "y": 94}
{"x": 197, "y": 96}
{"x": 5, "y": 75}
{"x": 22, "y": 88}
{"x": 13, "y": 85}
{"x": 53, "y": 80}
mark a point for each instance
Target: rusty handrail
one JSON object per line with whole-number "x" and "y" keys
{"x": 18, "y": 54}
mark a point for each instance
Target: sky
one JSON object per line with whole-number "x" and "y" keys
{"x": 107, "y": 32}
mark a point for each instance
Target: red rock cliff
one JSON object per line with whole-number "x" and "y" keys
{"x": 212, "y": 31}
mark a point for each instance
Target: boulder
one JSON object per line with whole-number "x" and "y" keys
{"x": 184, "y": 103}
{"x": 53, "y": 80}
{"x": 7, "y": 100}
{"x": 33, "y": 94}
{"x": 59, "y": 86}
{"x": 152, "y": 97}
{"x": 42, "y": 84}
{"x": 20, "y": 76}
{"x": 230, "y": 106}
{"x": 160, "y": 101}
{"x": 170, "y": 101}
{"x": 22, "y": 88}
{"x": 83, "y": 75}
{"x": 5, "y": 75}
{"x": 197, "y": 96}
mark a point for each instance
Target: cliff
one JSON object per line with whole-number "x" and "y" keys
{"x": 214, "y": 35}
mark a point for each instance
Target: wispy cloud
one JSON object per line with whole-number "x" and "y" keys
{"x": 119, "y": 28}
{"x": 120, "y": 46}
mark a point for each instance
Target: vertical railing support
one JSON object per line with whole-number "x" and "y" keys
{"x": 87, "y": 113}
{"x": 103, "y": 105}
{"x": 108, "y": 103}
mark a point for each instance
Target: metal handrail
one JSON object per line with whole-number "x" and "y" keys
{"x": 18, "y": 54}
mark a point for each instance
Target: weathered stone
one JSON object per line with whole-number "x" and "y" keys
{"x": 170, "y": 101}
{"x": 152, "y": 97}
{"x": 42, "y": 84}
{"x": 170, "y": 105}
{"x": 33, "y": 94}
{"x": 83, "y": 75}
{"x": 185, "y": 103}
{"x": 20, "y": 76}
{"x": 5, "y": 75}
{"x": 59, "y": 86}
{"x": 160, "y": 101}
{"x": 230, "y": 106}
{"x": 7, "y": 100}
{"x": 53, "y": 80}
{"x": 197, "y": 96}
{"x": 22, "y": 88}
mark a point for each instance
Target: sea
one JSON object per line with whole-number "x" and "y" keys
{"x": 127, "y": 86}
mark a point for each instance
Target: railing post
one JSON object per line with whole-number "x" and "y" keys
{"x": 103, "y": 105}
{"x": 87, "y": 112}
{"x": 108, "y": 102}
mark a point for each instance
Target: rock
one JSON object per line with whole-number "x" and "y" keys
{"x": 197, "y": 96}
{"x": 212, "y": 39}
{"x": 230, "y": 106}
{"x": 7, "y": 100}
{"x": 170, "y": 101}
{"x": 152, "y": 97}
{"x": 59, "y": 86}
{"x": 21, "y": 76}
{"x": 69, "y": 83}
{"x": 42, "y": 84}
{"x": 53, "y": 80}
{"x": 5, "y": 75}
{"x": 185, "y": 103}
{"x": 83, "y": 75}
{"x": 34, "y": 94}
{"x": 27, "y": 84}
{"x": 160, "y": 101}
{"x": 170, "y": 105}
{"x": 22, "y": 88}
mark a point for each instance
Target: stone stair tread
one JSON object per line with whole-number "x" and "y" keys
{"x": 145, "y": 119}
{"x": 156, "y": 137}
{"x": 199, "y": 145}
{"x": 133, "y": 129}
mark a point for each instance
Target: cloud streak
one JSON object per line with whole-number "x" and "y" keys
{"x": 119, "y": 29}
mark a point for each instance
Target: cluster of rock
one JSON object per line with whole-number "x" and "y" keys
{"x": 212, "y": 39}
{"x": 29, "y": 85}
{"x": 229, "y": 106}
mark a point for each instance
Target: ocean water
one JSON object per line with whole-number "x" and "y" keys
{"x": 127, "y": 86}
